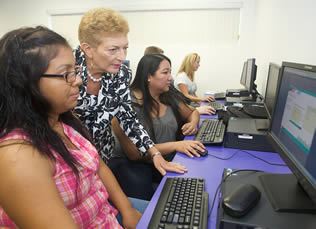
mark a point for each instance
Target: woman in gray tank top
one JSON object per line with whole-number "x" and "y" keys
{"x": 165, "y": 116}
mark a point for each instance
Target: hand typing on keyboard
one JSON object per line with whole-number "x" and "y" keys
{"x": 209, "y": 110}
{"x": 209, "y": 99}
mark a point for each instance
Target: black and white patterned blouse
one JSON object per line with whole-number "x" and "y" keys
{"x": 97, "y": 111}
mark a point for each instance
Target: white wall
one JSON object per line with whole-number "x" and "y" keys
{"x": 270, "y": 30}
{"x": 220, "y": 65}
{"x": 172, "y": 30}
{"x": 285, "y": 31}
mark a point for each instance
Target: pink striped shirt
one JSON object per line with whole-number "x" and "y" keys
{"x": 92, "y": 210}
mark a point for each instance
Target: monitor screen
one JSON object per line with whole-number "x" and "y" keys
{"x": 127, "y": 63}
{"x": 244, "y": 74}
{"x": 251, "y": 75}
{"x": 271, "y": 88}
{"x": 293, "y": 125}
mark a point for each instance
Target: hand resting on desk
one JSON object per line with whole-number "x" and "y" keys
{"x": 189, "y": 129}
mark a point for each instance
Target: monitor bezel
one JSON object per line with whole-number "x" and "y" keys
{"x": 251, "y": 86}
{"x": 271, "y": 64}
{"x": 244, "y": 68}
{"x": 303, "y": 179}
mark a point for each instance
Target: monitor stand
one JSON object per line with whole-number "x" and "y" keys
{"x": 285, "y": 194}
{"x": 262, "y": 124}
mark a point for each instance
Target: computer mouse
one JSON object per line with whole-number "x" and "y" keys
{"x": 203, "y": 154}
{"x": 241, "y": 200}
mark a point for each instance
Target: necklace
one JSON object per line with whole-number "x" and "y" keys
{"x": 94, "y": 79}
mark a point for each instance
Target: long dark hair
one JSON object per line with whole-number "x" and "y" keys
{"x": 24, "y": 56}
{"x": 147, "y": 66}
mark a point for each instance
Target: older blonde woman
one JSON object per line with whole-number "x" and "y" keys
{"x": 184, "y": 81}
{"x": 104, "y": 93}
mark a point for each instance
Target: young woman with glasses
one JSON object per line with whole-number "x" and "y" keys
{"x": 51, "y": 173}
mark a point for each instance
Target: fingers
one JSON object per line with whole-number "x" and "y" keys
{"x": 195, "y": 153}
{"x": 191, "y": 148}
{"x": 194, "y": 131}
{"x": 210, "y": 110}
{"x": 161, "y": 170}
{"x": 200, "y": 146}
{"x": 210, "y": 99}
{"x": 158, "y": 160}
{"x": 162, "y": 166}
{"x": 175, "y": 167}
{"x": 188, "y": 129}
{"x": 187, "y": 152}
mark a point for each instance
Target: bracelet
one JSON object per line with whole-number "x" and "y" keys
{"x": 155, "y": 154}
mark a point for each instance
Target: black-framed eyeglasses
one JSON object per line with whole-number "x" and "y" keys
{"x": 70, "y": 77}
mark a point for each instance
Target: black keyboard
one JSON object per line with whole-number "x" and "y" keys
{"x": 216, "y": 105}
{"x": 183, "y": 203}
{"x": 255, "y": 111}
{"x": 220, "y": 95}
{"x": 211, "y": 132}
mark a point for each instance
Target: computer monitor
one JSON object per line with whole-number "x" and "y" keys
{"x": 271, "y": 88}
{"x": 251, "y": 76}
{"x": 127, "y": 63}
{"x": 244, "y": 74}
{"x": 292, "y": 133}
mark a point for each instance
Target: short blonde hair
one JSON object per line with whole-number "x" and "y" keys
{"x": 187, "y": 64}
{"x": 99, "y": 21}
{"x": 153, "y": 50}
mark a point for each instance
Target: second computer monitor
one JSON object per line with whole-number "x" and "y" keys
{"x": 244, "y": 75}
{"x": 271, "y": 88}
{"x": 251, "y": 75}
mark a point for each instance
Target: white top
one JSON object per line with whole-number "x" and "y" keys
{"x": 182, "y": 78}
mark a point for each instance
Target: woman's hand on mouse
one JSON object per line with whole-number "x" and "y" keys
{"x": 189, "y": 147}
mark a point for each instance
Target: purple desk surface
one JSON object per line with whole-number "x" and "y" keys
{"x": 211, "y": 169}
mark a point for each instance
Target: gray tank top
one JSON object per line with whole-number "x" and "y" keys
{"x": 165, "y": 127}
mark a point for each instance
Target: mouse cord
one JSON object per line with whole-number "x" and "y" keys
{"x": 248, "y": 154}
{"x": 222, "y": 182}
